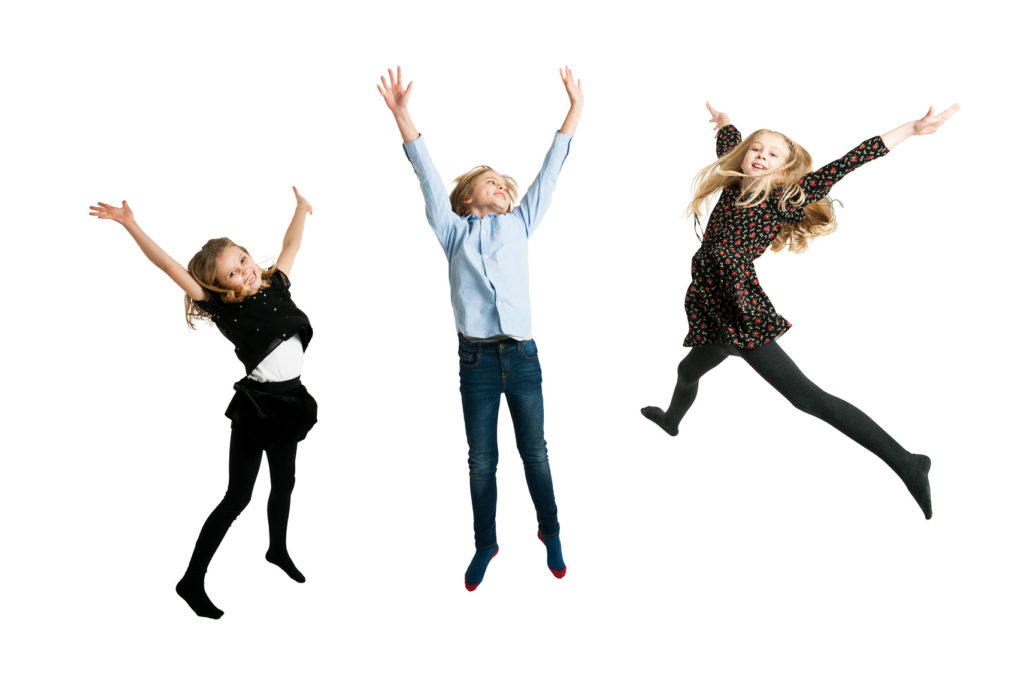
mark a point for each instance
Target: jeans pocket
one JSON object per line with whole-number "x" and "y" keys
{"x": 467, "y": 358}
{"x": 528, "y": 350}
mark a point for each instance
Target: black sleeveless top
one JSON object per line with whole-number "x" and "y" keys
{"x": 258, "y": 323}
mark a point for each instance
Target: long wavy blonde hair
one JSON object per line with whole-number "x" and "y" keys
{"x": 203, "y": 269}
{"x": 819, "y": 217}
{"x": 466, "y": 182}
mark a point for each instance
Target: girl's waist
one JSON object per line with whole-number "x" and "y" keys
{"x": 251, "y": 385}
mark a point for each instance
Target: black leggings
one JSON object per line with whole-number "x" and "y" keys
{"x": 243, "y": 466}
{"x": 772, "y": 363}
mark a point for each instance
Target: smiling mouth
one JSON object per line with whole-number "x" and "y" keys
{"x": 499, "y": 194}
{"x": 759, "y": 167}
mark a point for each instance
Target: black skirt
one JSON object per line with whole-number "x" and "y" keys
{"x": 277, "y": 413}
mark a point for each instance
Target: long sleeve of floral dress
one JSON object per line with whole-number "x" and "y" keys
{"x": 725, "y": 303}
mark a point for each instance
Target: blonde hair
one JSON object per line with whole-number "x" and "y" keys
{"x": 819, "y": 217}
{"x": 203, "y": 269}
{"x": 466, "y": 183}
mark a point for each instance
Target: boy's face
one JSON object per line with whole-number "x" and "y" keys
{"x": 489, "y": 195}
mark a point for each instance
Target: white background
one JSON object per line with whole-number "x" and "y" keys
{"x": 758, "y": 545}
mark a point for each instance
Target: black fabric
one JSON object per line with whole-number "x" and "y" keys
{"x": 258, "y": 323}
{"x": 243, "y": 466}
{"x": 778, "y": 369}
{"x": 275, "y": 413}
{"x": 725, "y": 302}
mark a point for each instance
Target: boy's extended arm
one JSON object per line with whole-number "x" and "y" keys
{"x": 439, "y": 213}
{"x": 575, "y": 92}
{"x": 538, "y": 197}
{"x": 397, "y": 99}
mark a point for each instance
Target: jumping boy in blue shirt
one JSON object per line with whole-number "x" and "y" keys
{"x": 485, "y": 240}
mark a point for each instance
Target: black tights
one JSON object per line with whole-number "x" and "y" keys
{"x": 772, "y": 363}
{"x": 243, "y": 466}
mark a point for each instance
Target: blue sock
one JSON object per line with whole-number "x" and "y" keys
{"x": 555, "y": 562}
{"x": 478, "y": 566}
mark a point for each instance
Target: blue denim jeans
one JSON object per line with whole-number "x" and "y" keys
{"x": 486, "y": 371}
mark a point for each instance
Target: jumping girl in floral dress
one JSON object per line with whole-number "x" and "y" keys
{"x": 770, "y": 197}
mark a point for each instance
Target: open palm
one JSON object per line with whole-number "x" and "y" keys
{"x": 395, "y": 96}
{"x": 930, "y": 122}
{"x": 122, "y": 214}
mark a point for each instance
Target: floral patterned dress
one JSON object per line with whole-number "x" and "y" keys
{"x": 725, "y": 303}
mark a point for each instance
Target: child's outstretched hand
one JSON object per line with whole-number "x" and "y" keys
{"x": 574, "y": 89}
{"x": 926, "y": 125}
{"x": 122, "y": 214}
{"x": 718, "y": 118}
{"x": 394, "y": 95}
{"x": 301, "y": 203}
{"x": 930, "y": 122}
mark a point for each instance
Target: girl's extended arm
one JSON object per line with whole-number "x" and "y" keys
{"x": 397, "y": 100}
{"x": 726, "y": 136}
{"x": 123, "y": 215}
{"x": 818, "y": 184}
{"x": 926, "y": 125}
{"x": 575, "y": 92}
{"x": 293, "y": 236}
{"x": 720, "y": 119}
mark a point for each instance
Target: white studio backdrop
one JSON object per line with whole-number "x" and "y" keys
{"x": 758, "y": 545}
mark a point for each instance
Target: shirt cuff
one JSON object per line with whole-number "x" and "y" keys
{"x": 415, "y": 149}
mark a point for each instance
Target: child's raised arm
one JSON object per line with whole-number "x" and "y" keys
{"x": 725, "y": 139}
{"x": 397, "y": 100}
{"x": 123, "y": 215}
{"x": 440, "y": 216}
{"x": 719, "y": 118}
{"x": 575, "y": 92}
{"x": 293, "y": 236}
{"x": 926, "y": 125}
{"x": 538, "y": 196}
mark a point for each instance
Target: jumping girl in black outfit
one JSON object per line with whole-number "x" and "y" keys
{"x": 770, "y": 197}
{"x": 271, "y": 410}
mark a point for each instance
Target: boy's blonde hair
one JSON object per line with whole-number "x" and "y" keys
{"x": 203, "y": 269}
{"x": 819, "y": 218}
{"x": 466, "y": 183}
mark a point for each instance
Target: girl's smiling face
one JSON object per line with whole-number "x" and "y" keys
{"x": 237, "y": 271}
{"x": 766, "y": 151}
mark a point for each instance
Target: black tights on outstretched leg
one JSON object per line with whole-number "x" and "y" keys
{"x": 243, "y": 466}
{"x": 772, "y": 363}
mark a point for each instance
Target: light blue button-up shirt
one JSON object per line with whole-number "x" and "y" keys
{"x": 488, "y": 268}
